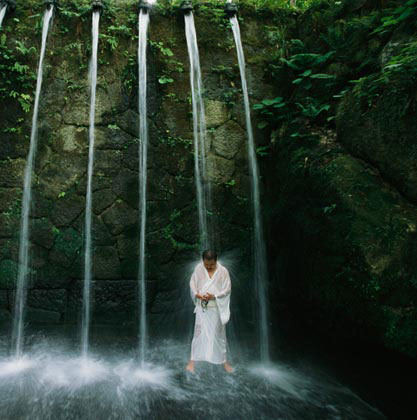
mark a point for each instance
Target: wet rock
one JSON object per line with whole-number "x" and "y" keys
{"x": 11, "y": 173}
{"x": 120, "y": 218}
{"x": 106, "y": 263}
{"x": 51, "y": 300}
{"x": 227, "y": 139}
{"x": 8, "y": 274}
{"x": 67, "y": 247}
{"x": 5, "y": 315}
{"x": 128, "y": 121}
{"x": 67, "y": 209}
{"x": 103, "y": 199}
{"x": 71, "y": 139}
{"x": 217, "y": 113}
{"x": 42, "y": 316}
{"x": 66, "y": 174}
{"x": 219, "y": 170}
{"x": 112, "y": 138}
{"x": 126, "y": 187}
{"x": 43, "y": 232}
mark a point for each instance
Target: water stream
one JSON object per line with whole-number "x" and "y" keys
{"x": 3, "y": 11}
{"x": 89, "y": 199}
{"x": 23, "y": 270}
{"x": 199, "y": 132}
{"x": 143, "y": 156}
{"x": 259, "y": 252}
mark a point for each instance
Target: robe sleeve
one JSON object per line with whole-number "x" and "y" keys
{"x": 193, "y": 287}
{"x": 223, "y": 298}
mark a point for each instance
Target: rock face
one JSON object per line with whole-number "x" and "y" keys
{"x": 340, "y": 203}
{"x": 346, "y": 240}
{"x": 57, "y": 218}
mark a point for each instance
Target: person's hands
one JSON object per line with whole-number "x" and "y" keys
{"x": 198, "y": 296}
{"x": 209, "y": 296}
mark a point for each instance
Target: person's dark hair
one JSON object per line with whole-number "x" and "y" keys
{"x": 209, "y": 254}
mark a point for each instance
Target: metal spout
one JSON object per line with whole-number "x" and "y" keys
{"x": 97, "y": 6}
{"x": 186, "y": 7}
{"x": 51, "y": 3}
{"x": 230, "y": 9}
{"x": 11, "y": 5}
{"x": 144, "y": 6}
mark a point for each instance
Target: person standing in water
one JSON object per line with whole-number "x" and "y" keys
{"x": 210, "y": 291}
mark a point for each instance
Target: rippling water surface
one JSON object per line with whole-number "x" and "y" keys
{"x": 52, "y": 381}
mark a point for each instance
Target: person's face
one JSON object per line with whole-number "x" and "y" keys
{"x": 210, "y": 264}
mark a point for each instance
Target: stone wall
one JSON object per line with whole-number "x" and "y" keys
{"x": 57, "y": 215}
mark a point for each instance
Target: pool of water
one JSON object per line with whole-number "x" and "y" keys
{"x": 51, "y": 381}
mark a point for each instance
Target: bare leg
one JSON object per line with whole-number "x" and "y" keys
{"x": 228, "y": 368}
{"x": 190, "y": 366}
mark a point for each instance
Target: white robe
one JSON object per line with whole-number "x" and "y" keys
{"x": 209, "y": 341}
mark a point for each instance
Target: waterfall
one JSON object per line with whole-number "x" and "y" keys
{"x": 259, "y": 252}
{"x": 2, "y": 13}
{"x": 143, "y": 155}
{"x": 89, "y": 199}
{"x": 199, "y": 131}
{"x": 23, "y": 271}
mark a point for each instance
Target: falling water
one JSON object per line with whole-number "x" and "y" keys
{"x": 260, "y": 267}
{"x": 199, "y": 130}
{"x": 17, "y": 334}
{"x": 2, "y": 13}
{"x": 89, "y": 198}
{"x": 143, "y": 155}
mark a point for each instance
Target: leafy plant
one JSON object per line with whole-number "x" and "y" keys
{"x": 164, "y": 80}
{"x": 268, "y": 109}
{"x": 401, "y": 14}
{"x": 161, "y": 48}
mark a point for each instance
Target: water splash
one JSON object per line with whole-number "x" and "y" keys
{"x": 49, "y": 381}
{"x": 199, "y": 132}
{"x": 15, "y": 366}
{"x": 89, "y": 199}
{"x": 143, "y": 156}
{"x": 259, "y": 252}
{"x": 23, "y": 271}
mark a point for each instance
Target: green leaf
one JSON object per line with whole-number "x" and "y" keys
{"x": 322, "y": 76}
{"x": 163, "y": 80}
{"x": 290, "y": 64}
{"x": 262, "y": 124}
{"x": 262, "y": 150}
{"x": 405, "y": 14}
{"x": 268, "y": 102}
{"x": 167, "y": 52}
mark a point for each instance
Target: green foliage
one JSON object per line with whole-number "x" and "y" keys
{"x": 129, "y": 74}
{"x": 170, "y": 231}
{"x": 313, "y": 108}
{"x": 300, "y": 61}
{"x": 174, "y": 141}
{"x": 159, "y": 46}
{"x": 164, "y": 80}
{"x": 400, "y": 71}
{"x": 17, "y": 80}
{"x": 226, "y": 71}
{"x": 229, "y": 96}
{"x": 401, "y": 15}
{"x": 263, "y": 150}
